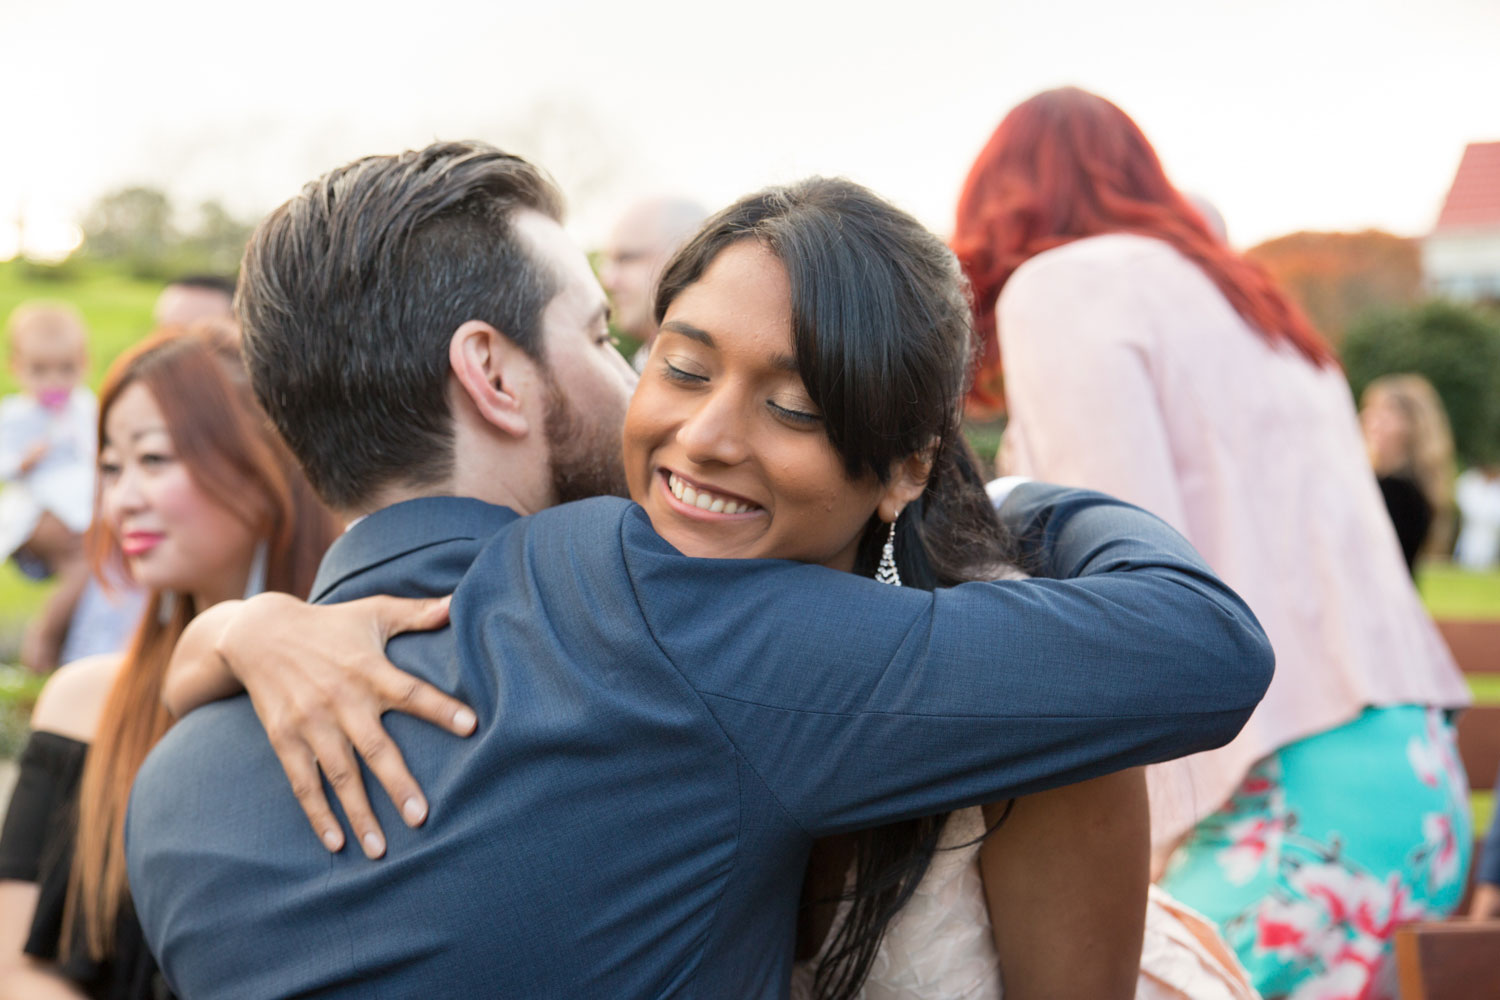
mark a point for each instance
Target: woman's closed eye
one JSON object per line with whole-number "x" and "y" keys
{"x": 681, "y": 375}
{"x": 794, "y": 415}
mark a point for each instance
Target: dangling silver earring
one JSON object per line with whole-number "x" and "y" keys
{"x": 166, "y": 604}
{"x": 256, "y": 581}
{"x": 886, "y": 571}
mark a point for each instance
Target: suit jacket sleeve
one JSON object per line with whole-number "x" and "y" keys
{"x": 859, "y": 704}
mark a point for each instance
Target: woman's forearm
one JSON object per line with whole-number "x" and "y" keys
{"x": 1486, "y": 905}
{"x": 197, "y": 673}
{"x": 21, "y": 976}
{"x": 1065, "y": 880}
{"x": 29, "y": 979}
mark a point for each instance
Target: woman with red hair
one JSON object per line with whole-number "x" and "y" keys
{"x": 1145, "y": 358}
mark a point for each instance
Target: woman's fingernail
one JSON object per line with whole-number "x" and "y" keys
{"x": 415, "y": 811}
{"x": 333, "y": 840}
{"x": 464, "y": 721}
{"x": 374, "y": 845}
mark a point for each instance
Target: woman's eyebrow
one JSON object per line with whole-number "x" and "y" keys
{"x": 689, "y": 331}
{"x": 780, "y": 362}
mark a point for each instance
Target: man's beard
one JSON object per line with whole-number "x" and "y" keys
{"x": 584, "y": 453}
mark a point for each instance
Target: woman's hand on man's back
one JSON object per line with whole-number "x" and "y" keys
{"x": 319, "y": 680}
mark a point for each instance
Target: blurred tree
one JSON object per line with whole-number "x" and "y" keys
{"x": 217, "y": 242}
{"x": 1336, "y": 277}
{"x": 1456, "y": 347}
{"x": 133, "y": 225}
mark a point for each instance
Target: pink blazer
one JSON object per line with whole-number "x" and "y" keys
{"x": 1128, "y": 372}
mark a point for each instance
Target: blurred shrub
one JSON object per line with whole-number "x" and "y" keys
{"x": 1456, "y": 347}
{"x": 60, "y": 272}
{"x": 136, "y": 228}
{"x": 1337, "y": 277}
{"x": 18, "y": 691}
{"x": 133, "y": 225}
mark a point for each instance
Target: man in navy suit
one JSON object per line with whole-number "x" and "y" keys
{"x": 660, "y": 738}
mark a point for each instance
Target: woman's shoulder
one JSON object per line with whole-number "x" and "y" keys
{"x": 73, "y": 698}
{"x": 1120, "y": 287}
{"x": 1114, "y": 268}
{"x": 1106, "y": 252}
{"x": 1100, "y": 290}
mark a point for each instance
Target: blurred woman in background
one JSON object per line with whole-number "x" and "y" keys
{"x": 1411, "y": 449}
{"x": 1145, "y": 358}
{"x": 200, "y": 502}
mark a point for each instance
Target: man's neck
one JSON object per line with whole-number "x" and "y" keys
{"x": 491, "y": 490}
{"x": 389, "y": 496}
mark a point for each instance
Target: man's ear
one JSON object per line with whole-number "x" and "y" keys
{"x": 495, "y": 374}
{"x": 908, "y": 480}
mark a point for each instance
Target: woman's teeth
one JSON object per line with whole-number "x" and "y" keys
{"x": 704, "y": 500}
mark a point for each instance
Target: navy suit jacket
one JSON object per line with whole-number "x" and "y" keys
{"x": 660, "y": 739}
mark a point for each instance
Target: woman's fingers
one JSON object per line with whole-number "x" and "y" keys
{"x": 336, "y": 758}
{"x": 301, "y": 769}
{"x": 395, "y": 615}
{"x": 379, "y": 752}
{"x": 404, "y": 693}
{"x": 413, "y": 696}
{"x": 308, "y": 740}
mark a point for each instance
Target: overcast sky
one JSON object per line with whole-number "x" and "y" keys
{"x": 1288, "y": 114}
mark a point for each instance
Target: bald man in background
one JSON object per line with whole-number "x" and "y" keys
{"x": 638, "y": 249}
{"x": 194, "y": 297}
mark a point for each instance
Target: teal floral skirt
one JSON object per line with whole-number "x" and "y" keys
{"x": 1327, "y": 846}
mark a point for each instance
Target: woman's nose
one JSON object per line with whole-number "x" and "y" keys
{"x": 123, "y": 494}
{"x": 715, "y": 432}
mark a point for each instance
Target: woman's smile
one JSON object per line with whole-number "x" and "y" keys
{"x": 701, "y": 501}
{"x": 137, "y": 543}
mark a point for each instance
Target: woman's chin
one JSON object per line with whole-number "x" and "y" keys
{"x": 694, "y": 544}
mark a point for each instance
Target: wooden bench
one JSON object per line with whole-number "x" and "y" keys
{"x": 1454, "y": 960}
{"x": 1479, "y": 744}
{"x": 1460, "y": 959}
{"x": 1476, "y": 647}
{"x": 1474, "y": 644}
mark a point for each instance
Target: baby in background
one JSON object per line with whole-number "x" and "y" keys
{"x": 47, "y": 454}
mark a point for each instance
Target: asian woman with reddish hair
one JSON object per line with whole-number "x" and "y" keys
{"x": 200, "y": 502}
{"x": 1143, "y": 357}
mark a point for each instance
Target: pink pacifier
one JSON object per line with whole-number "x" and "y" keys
{"x": 54, "y": 399}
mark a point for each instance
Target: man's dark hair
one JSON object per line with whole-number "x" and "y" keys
{"x": 350, "y": 292}
{"x": 207, "y": 282}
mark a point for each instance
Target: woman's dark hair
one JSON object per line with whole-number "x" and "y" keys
{"x": 882, "y": 335}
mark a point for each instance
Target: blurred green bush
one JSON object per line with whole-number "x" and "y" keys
{"x": 1456, "y": 347}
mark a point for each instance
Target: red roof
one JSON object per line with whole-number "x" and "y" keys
{"x": 1474, "y": 199}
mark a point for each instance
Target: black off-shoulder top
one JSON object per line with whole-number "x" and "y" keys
{"x": 36, "y": 845}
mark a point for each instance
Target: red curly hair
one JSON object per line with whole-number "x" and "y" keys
{"x": 1067, "y": 164}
